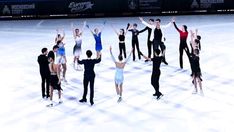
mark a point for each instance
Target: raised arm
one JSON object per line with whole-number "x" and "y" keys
{"x": 63, "y": 35}
{"x": 176, "y": 27}
{"x": 89, "y": 28}
{"x": 112, "y": 57}
{"x": 115, "y": 30}
{"x": 103, "y": 26}
{"x": 146, "y": 24}
{"x": 84, "y": 24}
{"x": 73, "y": 30}
{"x": 166, "y": 26}
{"x": 125, "y": 32}
{"x": 143, "y": 30}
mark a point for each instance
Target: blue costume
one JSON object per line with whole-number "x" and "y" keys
{"x": 61, "y": 49}
{"x": 98, "y": 45}
{"x": 119, "y": 77}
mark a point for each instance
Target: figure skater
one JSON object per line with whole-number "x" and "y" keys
{"x": 183, "y": 41}
{"x": 121, "y": 34}
{"x": 158, "y": 36}
{"x": 97, "y": 36}
{"x": 149, "y": 42}
{"x": 55, "y": 82}
{"x": 77, "y": 34}
{"x": 195, "y": 41}
{"x": 196, "y": 71}
{"x": 89, "y": 75}
{"x": 195, "y": 45}
{"x": 59, "y": 37}
{"x": 119, "y": 77}
{"x": 157, "y": 59}
{"x": 135, "y": 41}
{"x": 44, "y": 72}
{"x": 61, "y": 56}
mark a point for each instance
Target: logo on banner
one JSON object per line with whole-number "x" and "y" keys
{"x": 194, "y": 4}
{"x": 6, "y": 10}
{"x": 80, "y": 7}
{"x": 132, "y": 4}
{"x": 209, "y": 3}
{"x": 19, "y": 9}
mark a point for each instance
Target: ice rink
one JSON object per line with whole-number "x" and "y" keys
{"x": 23, "y": 109}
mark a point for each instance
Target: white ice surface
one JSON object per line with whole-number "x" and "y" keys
{"x": 23, "y": 109}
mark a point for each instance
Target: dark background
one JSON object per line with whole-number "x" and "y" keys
{"x": 38, "y": 8}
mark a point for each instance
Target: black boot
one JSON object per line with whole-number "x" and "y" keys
{"x": 83, "y": 100}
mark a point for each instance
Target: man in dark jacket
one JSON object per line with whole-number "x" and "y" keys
{"x": 149, "y": 42}
{"x": 89, "y": 75}
{"x": 45, "y": 72}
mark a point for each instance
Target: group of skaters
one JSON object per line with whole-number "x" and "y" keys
{"x": 53, "y": 64}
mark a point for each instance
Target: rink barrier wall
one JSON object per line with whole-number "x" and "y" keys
{"x": 10, "y": 9}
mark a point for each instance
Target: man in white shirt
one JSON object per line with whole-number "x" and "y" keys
{"x": 158, "y": 36}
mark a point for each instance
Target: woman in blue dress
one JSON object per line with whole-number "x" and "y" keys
{"x": 119, "y": 77}
{"x": 97, "y": 36}
{"x": 61, "y": 59}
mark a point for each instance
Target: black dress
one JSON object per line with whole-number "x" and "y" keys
{"x": 196, "y": 71}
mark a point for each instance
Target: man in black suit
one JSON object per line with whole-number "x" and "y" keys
{"x": 89, "y": 75}
{"x": 149, "y": 42}
{"x": 44, "y": 71}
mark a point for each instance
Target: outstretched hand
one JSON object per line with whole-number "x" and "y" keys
{"x": 173, "y": 19}
{"x": 141, "y": 18}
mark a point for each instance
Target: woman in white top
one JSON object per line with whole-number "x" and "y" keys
{"x": 77, "y": 34}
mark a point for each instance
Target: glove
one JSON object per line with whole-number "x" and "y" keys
{"x": 128, "y": 25}
{"x": 87, "y": 26}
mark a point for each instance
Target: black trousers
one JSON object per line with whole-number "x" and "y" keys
{"x": 89, "y": 80}
{"x": 157, "y": 44}
{"x": 122, "y": 49}
{"x": 45, "y": 80}
{"x": 183, "y": 47}
{"x": 155, "y": 82}
{"x": 149, "y": 45}
{"x": 135, "y": 44}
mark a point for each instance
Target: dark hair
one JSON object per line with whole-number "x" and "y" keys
{"x": 198, "y": 37}
{"x": 197, "y": 41}
{"x": 157, "y": 51}
{"x": 151, "y": 20}
{"x": 120, "y": 57}
{"x": 89, "y": 53}
{"x": 158, "y": 19}
{"x": 43, "y": 50}
{"x": 58, "y": 42}
{"x": 55, "y": 47}
{"x": 122, "y": 30}
{"x": 185, "y": 28}
{"x": 135, "y": 24}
